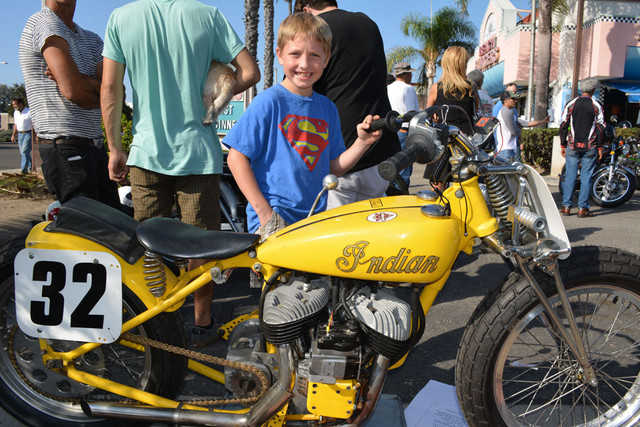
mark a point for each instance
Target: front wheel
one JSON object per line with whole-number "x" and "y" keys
{"x": 38, "y": 396}
{"x": 613, "y": 192}
{"x": 513, "y": 369}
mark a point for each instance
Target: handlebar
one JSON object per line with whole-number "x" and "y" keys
{"x": 392, "y": 121}
{"x": 419, "y": 147}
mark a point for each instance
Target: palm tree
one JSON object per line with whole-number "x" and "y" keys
{"x": 543, "y": 58}
{"x": 448, "y": 27}
{"x": 251, "y": 18}
{"x": 268, "y": 43}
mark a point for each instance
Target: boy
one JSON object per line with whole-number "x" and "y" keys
{"x": 290, "y": 137}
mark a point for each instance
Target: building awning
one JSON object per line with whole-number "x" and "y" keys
{"x": 493, "y": 80}
{"x": 632, "y": 64}
{"x": 632, "y": 90}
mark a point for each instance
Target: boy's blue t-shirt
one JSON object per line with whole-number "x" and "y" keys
{"x": 290, "y": 141}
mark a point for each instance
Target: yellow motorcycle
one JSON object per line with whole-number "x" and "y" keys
{"x": 91, "y": 329}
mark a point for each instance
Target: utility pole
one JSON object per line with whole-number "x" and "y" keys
{"x": 528, "y": 111}
{"x": 578, "y": 49}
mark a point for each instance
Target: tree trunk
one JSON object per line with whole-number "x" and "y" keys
{"x": 543, "y": 60}
{"x": 268, "y": 43}
{"x": 251, "y": 18}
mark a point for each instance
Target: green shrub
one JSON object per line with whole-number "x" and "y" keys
{"x": 5, "y": 135}
{"x": 537, "y": 146}
{"x": 628, "y": 132}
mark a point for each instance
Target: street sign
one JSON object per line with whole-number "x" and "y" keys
{"x": 231, "y": 114}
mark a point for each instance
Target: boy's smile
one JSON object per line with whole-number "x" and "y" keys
{"x": 303, "y": 60}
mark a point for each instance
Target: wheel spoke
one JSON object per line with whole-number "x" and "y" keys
{"x": 543, "y": 384}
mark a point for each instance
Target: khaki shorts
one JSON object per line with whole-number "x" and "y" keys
{"x": 197, "y": 197}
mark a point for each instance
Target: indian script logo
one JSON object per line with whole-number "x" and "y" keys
{"x": 309, "y": 137}
{"x": 354, "y": 255}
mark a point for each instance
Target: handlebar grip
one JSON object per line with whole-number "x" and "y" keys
{"x": 390, "y": 121}
{"x": 419, "y": 147}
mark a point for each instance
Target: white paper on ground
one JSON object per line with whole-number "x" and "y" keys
{"x": 436, "y": 405}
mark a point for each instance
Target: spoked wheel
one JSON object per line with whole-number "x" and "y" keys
{"x": 513, "y": 368}
{"x": 613, "y": 192}
{"x": 39, "y": 396}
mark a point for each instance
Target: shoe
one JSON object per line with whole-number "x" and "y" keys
{"x": 584, "y": 213}
{"x": 566, "y": 211}
{"x": 204, "y": 336}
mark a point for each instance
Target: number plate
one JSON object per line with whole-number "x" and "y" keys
{"x": 69, "y": 295}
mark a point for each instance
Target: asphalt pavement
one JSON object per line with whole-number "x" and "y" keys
{"x": 471, "y": 279}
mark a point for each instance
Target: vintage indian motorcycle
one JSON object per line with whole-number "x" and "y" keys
{"x": 93, "y": 332}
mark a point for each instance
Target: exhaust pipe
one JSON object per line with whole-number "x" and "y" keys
{"x": 261, "y": 412}
{"x": 374, "y": 389}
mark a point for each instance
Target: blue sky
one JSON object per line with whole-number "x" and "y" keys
{"x": 93, "y": 15}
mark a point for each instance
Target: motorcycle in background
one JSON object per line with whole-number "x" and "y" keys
{"x": 615, "y": 178}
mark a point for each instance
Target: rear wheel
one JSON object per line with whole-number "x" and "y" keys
{"x": 513, "y": 368}
{"x": 613, "y": 192}
{"x": 39, "y": 396}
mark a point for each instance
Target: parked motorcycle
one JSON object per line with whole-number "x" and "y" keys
{"x": 615, "y": 177}
{"x": 91, "y": 329}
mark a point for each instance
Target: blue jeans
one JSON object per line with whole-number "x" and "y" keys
{"x": 588, "y": 161}
{"x": 405, "y": 173}
{"x": 508, "y": 155}
{"x": 24, "y": 144}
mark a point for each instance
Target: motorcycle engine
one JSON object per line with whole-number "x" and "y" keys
{"x": 290, "y": 310}
{"x": 331, "y": 351}
{"x": 385, "y": 320}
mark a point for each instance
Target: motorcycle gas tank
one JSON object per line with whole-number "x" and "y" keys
{"x": 387, "y": 239}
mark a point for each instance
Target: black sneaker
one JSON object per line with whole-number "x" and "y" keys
{"x": 204, "y": 336}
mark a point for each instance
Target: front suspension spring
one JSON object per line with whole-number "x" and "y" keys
{"x": 154, "y": 273}
{"x": 500, "y": 195}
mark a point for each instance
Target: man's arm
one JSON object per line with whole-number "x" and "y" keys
{"x": 111, "y": 99}
{"x": 14, "y": 134}
{"x": 240, "y": 167}
{"x": 247, "y": 71}
{"x": 78, "y": 88}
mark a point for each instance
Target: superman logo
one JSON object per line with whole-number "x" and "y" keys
{"x": 309, "y": 137}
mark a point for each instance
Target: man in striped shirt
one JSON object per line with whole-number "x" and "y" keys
{"x": 62, "y": 68}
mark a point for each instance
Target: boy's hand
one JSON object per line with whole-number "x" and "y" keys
{"x": 368, "y": 137}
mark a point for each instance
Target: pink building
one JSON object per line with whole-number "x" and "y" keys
{"x": 610, "y": 52}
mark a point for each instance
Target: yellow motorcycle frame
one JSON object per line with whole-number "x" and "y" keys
{"x": 392, "y": 255}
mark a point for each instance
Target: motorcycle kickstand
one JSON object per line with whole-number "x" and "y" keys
{"x": 572, "y": 337}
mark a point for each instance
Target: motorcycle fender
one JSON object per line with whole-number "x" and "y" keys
{"x": 132, "y": 274}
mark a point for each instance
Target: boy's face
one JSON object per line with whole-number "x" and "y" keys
{"x": 303, "y": 60}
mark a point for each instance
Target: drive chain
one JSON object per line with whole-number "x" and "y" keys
{"x": 137, "y": 339}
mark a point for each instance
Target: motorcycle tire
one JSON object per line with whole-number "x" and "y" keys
{"x": 10, "y": 245}
{"x": 620, "y": 190}
{"x": 38, "y": 396}
{"x": 512, "y": 368}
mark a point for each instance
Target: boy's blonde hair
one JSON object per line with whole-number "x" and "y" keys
{"x": 302, "y": 23}
{"x": 454, "y": 73}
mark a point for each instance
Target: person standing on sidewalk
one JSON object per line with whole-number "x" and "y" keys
{"x": 166, "y": 47}
{"x": 355, "y": 79}
{"x": 581, "y": 137}
{"x": 403, "y": 99}
{"x": 22, "y": 132}
{"x": 62, "y": 67}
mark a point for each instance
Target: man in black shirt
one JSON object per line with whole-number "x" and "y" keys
{"x": 355, "y": 80}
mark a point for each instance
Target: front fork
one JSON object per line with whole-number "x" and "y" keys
{"x": 571, "y": 335}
